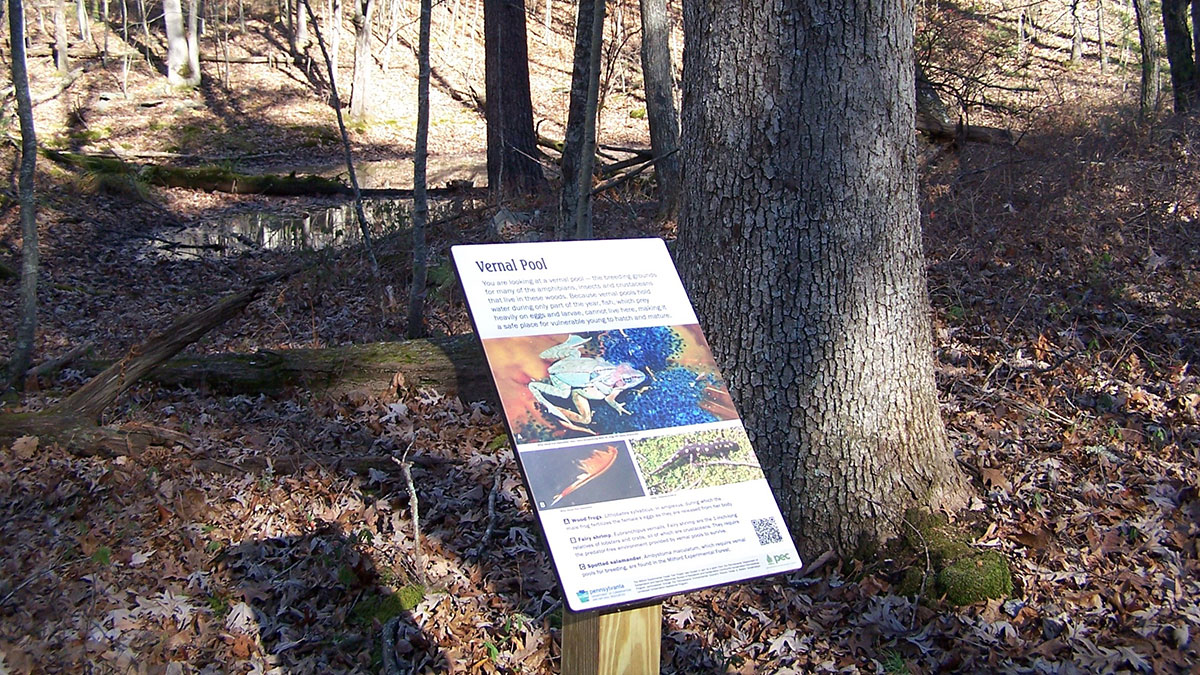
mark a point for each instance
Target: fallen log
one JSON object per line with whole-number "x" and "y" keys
{"x": 453, "y": 365}
{"x": 59, "y": 362}
{"x": 73, "y": 422}
{"x": 969, "y": 133}
{"x": 211, "y": 179}
{"x": 217, "y": 179}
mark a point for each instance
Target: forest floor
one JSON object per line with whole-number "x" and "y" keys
{"x": 1064, "y": 277}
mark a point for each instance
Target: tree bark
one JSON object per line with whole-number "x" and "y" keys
{"x": 85, "y": 26}
{"x": 27, "y": 315}
{"x": 301, "y": 40}
{"x": 659, "y": 79}
{"x": 1179, "y": 53}
{"x": 1196, "y": 36}
{"x": 511, "y": 143}
{"x": 1076, "y": 33}
{"x": 179, "y": 55}
{"x": 61, "y": 59}
{"x": 579, "y": 148}
{"x": 1148, "y": 38}
{"x": 799, "y": 241}
{"x": 359, "y": 106}
{"x": 420, "y": 250}
{"x": 193, "y": 41}
{"x": 333, "y": 31}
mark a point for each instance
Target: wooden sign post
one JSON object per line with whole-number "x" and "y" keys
{"x": 612, "y": 642}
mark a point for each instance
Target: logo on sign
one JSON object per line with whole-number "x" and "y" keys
{"x": 778, "y": 558}
{"x": 583, "y": 596}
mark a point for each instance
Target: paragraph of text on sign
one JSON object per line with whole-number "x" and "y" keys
{"x": 564, "y": 303}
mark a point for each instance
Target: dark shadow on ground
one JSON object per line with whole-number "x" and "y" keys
{"x": 316, "y": 598}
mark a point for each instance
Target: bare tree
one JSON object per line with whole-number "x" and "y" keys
{"x": 183, "y": 51}
{"x": 1148, "y": 37}
{"x": 511, "y": 143}
{"x": 27, "y": 321}
{"x": 333, "y": 31}
{"x": 659, "y": 79}
{"x": 416, "y": 301}
{"x": 1076, "y": 32}
{"x": 1179, "y": 53}
{"x": 61, "y": 60}
{"x": 579, "y": 149}
{"x": 359, "y": 106}
{"x": 85, "y": 26}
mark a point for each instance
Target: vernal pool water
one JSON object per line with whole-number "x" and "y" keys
{"x": 309, "y": 229}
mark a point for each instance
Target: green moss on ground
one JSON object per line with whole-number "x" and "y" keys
{"x": 385, "y": 607}
{"x": 978, "y": 576}
{"x": 957, "y": 572}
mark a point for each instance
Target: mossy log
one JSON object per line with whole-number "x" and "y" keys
{"x": 209, "y": 178}
{"x": 452, "y": 365}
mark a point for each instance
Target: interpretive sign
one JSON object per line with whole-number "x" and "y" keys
{"x": 637, "y": 463}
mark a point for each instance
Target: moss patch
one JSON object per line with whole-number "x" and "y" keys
{"x": 976, "y": 577}
{"x": 960, "y": 574}
{"x": 384, "y": 607}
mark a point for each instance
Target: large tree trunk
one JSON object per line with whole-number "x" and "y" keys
{"x": 1179, "y": 53}
{"x": 579, "y": 146}
{"x": 27, "y": 316}
{"x": 511, "y": 143}
{"x": 1148, "y": 37}
{"x": 659, "y": 79}
{"x": 359, "y": 106}
{"x": 800, "y": 242}
{"x": 193, "y": 40}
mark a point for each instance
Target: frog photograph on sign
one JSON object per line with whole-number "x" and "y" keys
{"x": 586, "y": 384}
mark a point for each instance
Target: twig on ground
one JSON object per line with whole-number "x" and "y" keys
{"x": 34, "y": 577}
{"x": 491, "y": 511}
{"x": 406, "y": 467}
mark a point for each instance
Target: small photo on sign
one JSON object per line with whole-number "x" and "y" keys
{"x": 596, "y": 383}
{"x": 581, "y": 474}
{"x": 696, "y": 460}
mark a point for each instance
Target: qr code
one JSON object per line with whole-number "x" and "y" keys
{"x": 767, "y": 531}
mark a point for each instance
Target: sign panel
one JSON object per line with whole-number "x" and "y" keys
{"x": 637, "y": 463}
